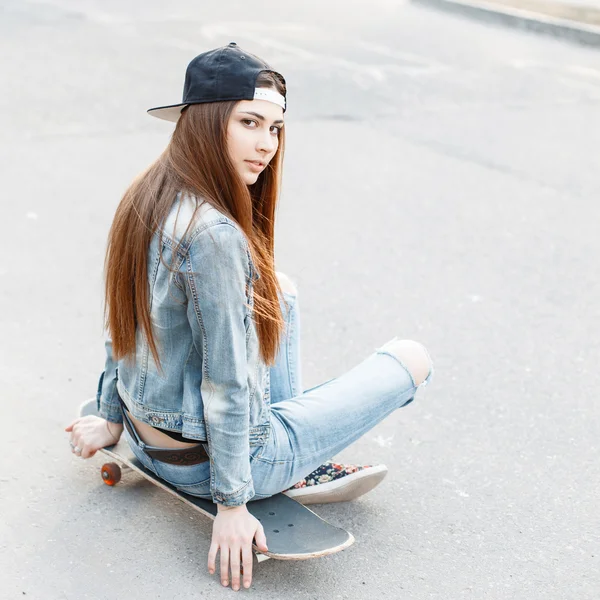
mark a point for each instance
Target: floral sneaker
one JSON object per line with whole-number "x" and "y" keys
{"x": 334, "y": 482}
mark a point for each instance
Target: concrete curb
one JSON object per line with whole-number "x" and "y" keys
{"x": 574, "y": 31}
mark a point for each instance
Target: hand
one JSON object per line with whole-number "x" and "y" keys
{"x": 89, "y": 434}
{"x": 233, "y": 531}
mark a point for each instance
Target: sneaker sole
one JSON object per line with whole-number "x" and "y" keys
{"x": 347, "y": 488}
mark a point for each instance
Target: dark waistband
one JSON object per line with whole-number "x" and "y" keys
{"x": 192, "y": 455}
{"x": 177, "y": 436}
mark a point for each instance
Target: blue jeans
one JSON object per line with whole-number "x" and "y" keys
{"x": 309, "y": 427}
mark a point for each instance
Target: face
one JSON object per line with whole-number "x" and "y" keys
{"x": 253, "y": 136}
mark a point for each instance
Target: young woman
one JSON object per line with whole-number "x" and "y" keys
{"x": 203, "y": 366}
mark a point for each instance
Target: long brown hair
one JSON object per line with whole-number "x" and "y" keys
{"x": 196, "y": 161}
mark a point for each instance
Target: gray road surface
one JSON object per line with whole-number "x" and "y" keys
{"x": 441, "y": 184}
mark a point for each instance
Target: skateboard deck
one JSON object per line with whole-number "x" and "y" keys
{"x": 293, "y": 531}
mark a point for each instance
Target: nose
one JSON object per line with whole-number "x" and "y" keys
{"x": 267, "y": 142}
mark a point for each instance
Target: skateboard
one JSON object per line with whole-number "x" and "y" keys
{"x": 293, "y": 531}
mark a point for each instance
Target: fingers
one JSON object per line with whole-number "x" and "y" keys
{"x": 230, "y": 559}
{"x": 247, "y": 565}
{"x": 261, "y": 538}
{"x": 87, "y": 452}
{"x": 234, "y": 565}
{"x": 81, "y": 448}
{"x": 88, "y": 435}
{"x": 234, "y": 559}
{"x": 212, "y": 555}
{"x": 234, "y": 542}
{"x": 74, "y": 439}
{"x": 224, "y": 565}
{"x": 70, "y": 427}
{"x": 76, "y": 448}
{"x": 212, "y": 558}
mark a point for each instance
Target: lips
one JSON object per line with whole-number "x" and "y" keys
{"x": 256, "y": 162}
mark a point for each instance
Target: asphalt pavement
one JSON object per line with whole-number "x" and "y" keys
{"x": 441, "y": 184}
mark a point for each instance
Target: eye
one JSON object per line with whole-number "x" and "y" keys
{"x": 252, "y": 121}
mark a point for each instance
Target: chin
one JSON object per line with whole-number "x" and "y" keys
{"x": 251, "y": 178}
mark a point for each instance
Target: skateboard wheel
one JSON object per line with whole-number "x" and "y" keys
{"x": 111, "y": 473}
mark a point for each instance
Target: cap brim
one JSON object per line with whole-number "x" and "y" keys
{"x": 167, "y": 113}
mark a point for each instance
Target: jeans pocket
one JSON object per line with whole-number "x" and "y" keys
{"x": 256, "y": 452}
{"x": 192, "y": 479}
{"x": 201, "y": 489}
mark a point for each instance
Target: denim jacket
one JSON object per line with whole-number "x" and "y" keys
{"x": 214, "y": 385}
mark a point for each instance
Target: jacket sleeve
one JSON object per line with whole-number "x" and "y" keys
{"x": 218, "y": 272}
{"x": 106, "y": 396}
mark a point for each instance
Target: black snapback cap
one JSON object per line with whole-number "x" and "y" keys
{"x": 225, "y": 73}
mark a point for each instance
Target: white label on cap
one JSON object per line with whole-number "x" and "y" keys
{"x": 269, "y": 95}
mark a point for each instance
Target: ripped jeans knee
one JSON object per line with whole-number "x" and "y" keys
{"x": 413, "y": 356}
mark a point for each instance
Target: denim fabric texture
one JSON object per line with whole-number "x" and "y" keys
{"x": 213, "y": 385}
{"x": 307, "y": 428}
{"x": 263, "y": 432}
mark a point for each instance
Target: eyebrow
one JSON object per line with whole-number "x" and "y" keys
{"x": 260, "y": 117}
